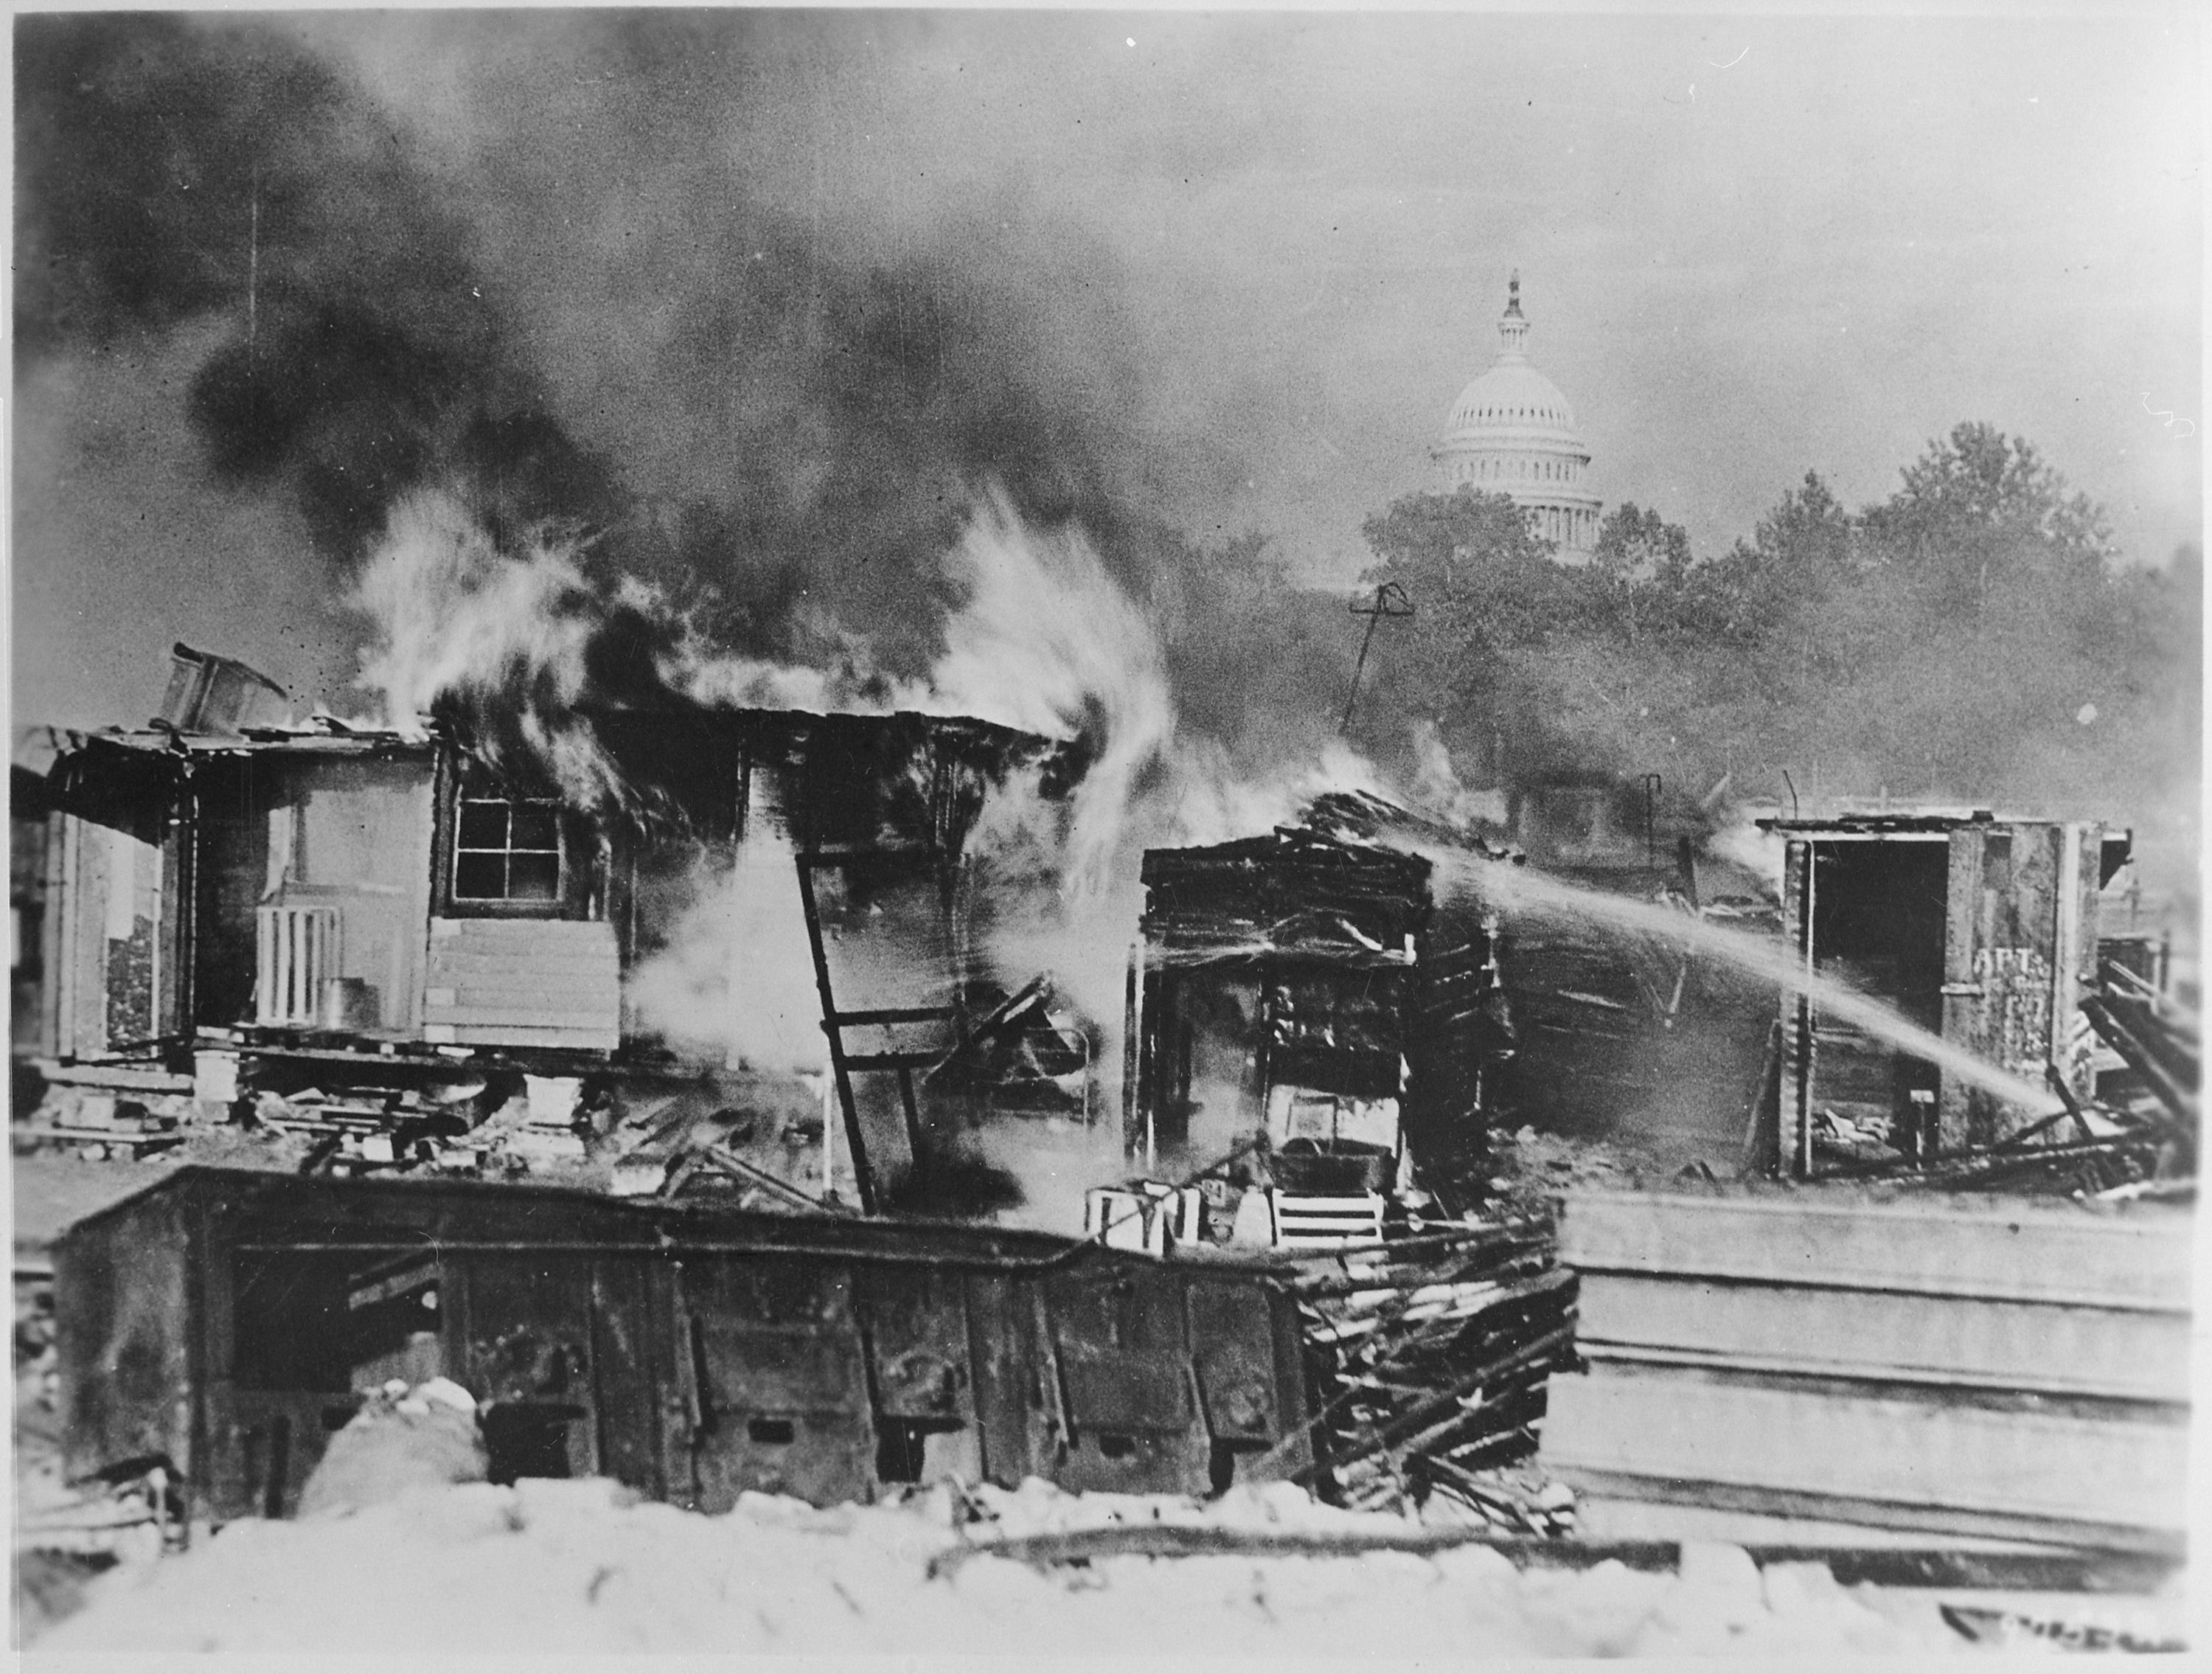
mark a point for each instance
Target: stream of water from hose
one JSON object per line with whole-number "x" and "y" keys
{"x": 1523, "y": 892}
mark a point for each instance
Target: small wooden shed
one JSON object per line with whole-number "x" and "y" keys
{"x": 1983, "y": 930}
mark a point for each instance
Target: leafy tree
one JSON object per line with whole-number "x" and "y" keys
{"x": 1980, "y": 511}
{"x": 1640, "y": 559}
{"x": 1257, "y": 662}
{"x": 1486, "y": 595}
{"x": 1972, "y": 636}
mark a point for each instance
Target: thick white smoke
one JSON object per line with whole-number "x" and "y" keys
{"x": 737, "y": 975}
{"x": 1047, "y": 642}
{"x": 451, "y": 611}
{"x": 1437, "y": 788}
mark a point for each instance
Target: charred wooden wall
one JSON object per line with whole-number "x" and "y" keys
{"x": 1312, "y": 961}
{"x": 174, "y": 847}
{"x": 226, "y": 1324}
{"x": 1982, "y": 929}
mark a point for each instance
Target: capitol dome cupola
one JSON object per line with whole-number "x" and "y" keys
{"x": 1511, "y": 432}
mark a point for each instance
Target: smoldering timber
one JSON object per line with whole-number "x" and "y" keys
{"x": 1306, "y": 987}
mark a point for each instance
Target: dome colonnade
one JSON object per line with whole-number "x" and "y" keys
{"x": 1511, "y": 432}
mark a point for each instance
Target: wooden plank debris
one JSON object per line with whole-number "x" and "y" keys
{"x": 1432, "y": 1355}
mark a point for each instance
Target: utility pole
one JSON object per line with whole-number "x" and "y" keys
{"x": 1390, "y": 600}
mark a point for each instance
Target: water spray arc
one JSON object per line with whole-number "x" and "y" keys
{"x": 1522, "y": 890}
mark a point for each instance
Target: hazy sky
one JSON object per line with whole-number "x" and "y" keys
{"x": 1257, "y": 254}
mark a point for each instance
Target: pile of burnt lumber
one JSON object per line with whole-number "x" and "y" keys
{"x": 125, "y": 1109}
{"x": 2159, "y": 1041}
{"x": 1432, "y": 1352}
{"x": 97, "y": 1124}
{"x": 2139, "y": 1138}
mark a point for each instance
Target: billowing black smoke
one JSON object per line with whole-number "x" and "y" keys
{"x": 171, "y": 171}
{"x": 778, "y": 423}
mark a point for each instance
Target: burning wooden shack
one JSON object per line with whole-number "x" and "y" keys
{"x": 328, "y": 905}
{"x": 1304, "y": 996}
{"x": 222, "y": 1325}
{"x": 1304, "y": 1005}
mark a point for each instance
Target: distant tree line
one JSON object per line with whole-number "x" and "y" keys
{"x": 1974, "y": 636}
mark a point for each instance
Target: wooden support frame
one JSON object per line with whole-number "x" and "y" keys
{"x": 1793, "y": 1107}
{"x": 843, "y": 1062}
{"x": 863, "y": 1180}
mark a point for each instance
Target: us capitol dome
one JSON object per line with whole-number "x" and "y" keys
{"x": 1512, "y": 432}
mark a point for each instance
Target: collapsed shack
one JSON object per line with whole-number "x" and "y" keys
{"x": 1303, "y": 995}
{"x": 1302, "y": 1005}
{"x": 364, "y": 914}
{"x": 221, "y": 1325}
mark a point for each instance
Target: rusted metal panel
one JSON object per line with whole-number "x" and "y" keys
{"x": 529, "y": 1361}
{"x": 263, "y": 1446}
{"x": 1122, "y": 1350}
{"x": 1018, "y": 1409}
{"x": 1125, "y": 1365}
{"x": 632, "y": 1361}
{"x": 783, "y": 1391}
{"x": 126, "y": 1329}
{"x": 916, "y": 1323}
{"x": 1233, "y": 1347}
{"x": 777, "y": 1335}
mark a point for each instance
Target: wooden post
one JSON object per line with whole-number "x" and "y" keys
{"x": 913, "y": 1108}
{"x": 1132, "y": 1052}
{"x": 863, "y": 1184}
{"x": 1963, "y": 991}
{"x": 1794, "y": 1106}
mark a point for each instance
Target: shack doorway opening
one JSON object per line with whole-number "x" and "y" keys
{"x": 1879, "y": 924}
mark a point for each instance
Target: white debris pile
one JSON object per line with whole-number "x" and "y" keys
{"x": 581, "y": 1566}
{"x": 400, "y": 1439}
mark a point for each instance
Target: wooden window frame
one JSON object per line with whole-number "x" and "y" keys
{"x": 573, "y": 891}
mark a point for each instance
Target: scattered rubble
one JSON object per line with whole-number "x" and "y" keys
{"x": 1432, "y": 1352}
{"x": 1532, "y": 1169}
{"x": 102, "y": 1123}
{"x": 1308, "y": 1006}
